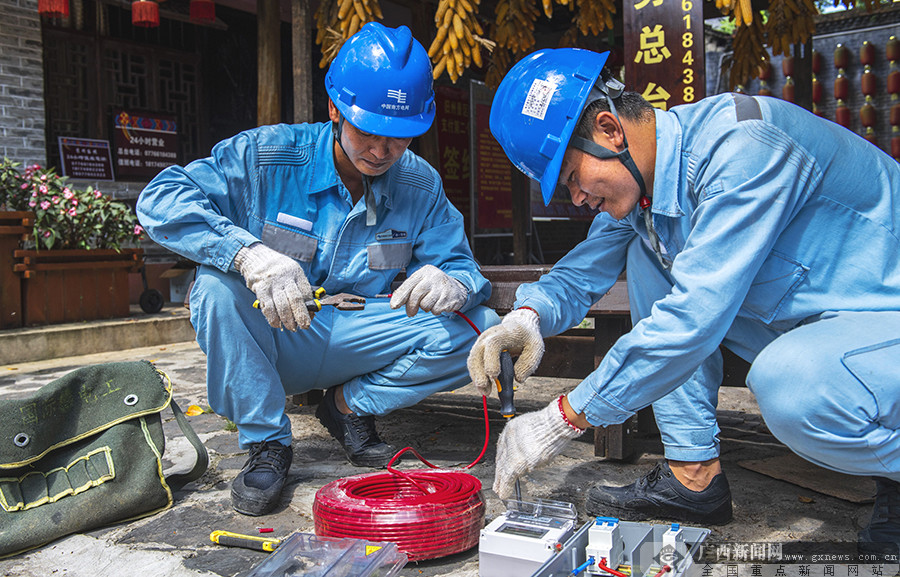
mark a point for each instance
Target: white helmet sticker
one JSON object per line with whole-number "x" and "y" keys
{"x": 538, "y": 99}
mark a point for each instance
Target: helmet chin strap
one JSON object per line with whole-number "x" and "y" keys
{"x": 608, "y": 88}
{"x": 337, "y": 129}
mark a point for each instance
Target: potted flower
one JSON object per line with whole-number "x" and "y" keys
{"x": 74, "y": 265}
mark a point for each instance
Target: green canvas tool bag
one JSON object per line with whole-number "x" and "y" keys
{"x": 85, "y": 451}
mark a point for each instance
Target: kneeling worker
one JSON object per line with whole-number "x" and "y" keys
{"x": 345, "y": 206}
{"x": 744, "y": 221}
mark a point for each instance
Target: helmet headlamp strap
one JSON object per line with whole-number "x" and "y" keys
{"x": 337, "y": 129}
{"x": 608, "y": 88}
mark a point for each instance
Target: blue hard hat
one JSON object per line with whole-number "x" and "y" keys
{"x": 537, "y": 106}
{"x": 381, "y": 82}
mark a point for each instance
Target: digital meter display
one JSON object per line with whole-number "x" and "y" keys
{"x": 521, "y": 531}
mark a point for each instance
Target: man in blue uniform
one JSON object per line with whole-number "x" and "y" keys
{"x": 345, "y": 206}
{"x": 743, "y": 221}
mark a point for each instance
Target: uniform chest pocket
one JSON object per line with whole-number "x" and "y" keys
{"x": 294, "y": 244}
{"x": 775, "y": 282}
{"x": 389, "y": 256}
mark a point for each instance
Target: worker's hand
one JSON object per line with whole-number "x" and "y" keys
{"x": 528, "y": 442}
{"x": 279, "y": 283}
{"x": 431, "y": 290}
{"x": 520, "y": 334}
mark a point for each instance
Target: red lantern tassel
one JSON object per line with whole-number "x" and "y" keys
{"x": 54, "y": 8}
{"x": 145, "y": 13}
{"x": 203, "y": 10}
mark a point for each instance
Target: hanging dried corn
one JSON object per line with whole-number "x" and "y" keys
{"x": 458, "y": 42}
{"x": 749, "y": 53}
{"x": 594, "y": 16}
{"x": 790, "y": 22}
{"x": 514, "y": 25}
{"x": 338, "y": 20}
{"x": 740, "y": 9}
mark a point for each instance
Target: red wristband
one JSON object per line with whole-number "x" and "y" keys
{"x": 565, "y": 418}
{"x": 532, "y": 310}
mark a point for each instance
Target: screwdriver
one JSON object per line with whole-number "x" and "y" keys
{"x": 505, "y": 390}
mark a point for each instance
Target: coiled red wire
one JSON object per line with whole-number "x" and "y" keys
{"x": 428, "y": 513}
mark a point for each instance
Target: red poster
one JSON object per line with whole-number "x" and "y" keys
{"x": 452, "y": 121}
{"x": 493, "y": 182}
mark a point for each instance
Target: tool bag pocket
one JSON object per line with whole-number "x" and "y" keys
{"x": 85, "y": 451}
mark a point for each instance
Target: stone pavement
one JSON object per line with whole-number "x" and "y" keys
{"x": 446, "y": 429}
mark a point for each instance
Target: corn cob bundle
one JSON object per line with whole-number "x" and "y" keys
{"x": 338, "y": 20}
{"x": 741, "y": 9}
{"x": 498, "y": 67}
{"x": 514, "y": 25}
{"x": 458, "y": 41}
{"x": 547, "y": 5}
{"x": 594, "y": 16}
{"x": 749, "y": 52}
{"x": 790, "y": 21}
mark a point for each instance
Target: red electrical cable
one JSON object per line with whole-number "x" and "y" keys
{"x": 602, "y": 565}
{"x": 427, "y": 513}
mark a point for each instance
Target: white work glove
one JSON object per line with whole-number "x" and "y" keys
{"x": 431, "y": 290}
{"x": 528, "y": 442}
{"x": 279, "y": 284}
{"x": 520, "y": 334}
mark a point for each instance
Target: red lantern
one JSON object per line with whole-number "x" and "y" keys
{"x": 765, "y": 71}
{"x": 817, "y": 91}
{"x": 787, "y": 91}
{"x": 892, "y": 49}
{"x": 842, "y": 116}
{"x": 867, "y": 54}
{"x": 895, "y": 114}
{"x": 53, "y": 8}
{"x": 893, "y": 82}
{"x": 841, "y": 56}
{"x": 841, "y": 87}
{"x": 871, "y": 137}
{"x": 787, "y": 66}
{"x": 895, "y": 147}
{"x": 816, "y": 62}
{"x": 868, "y": 83}
{"x": 145, "y": 13}
{"x": 203, "y": 10}
{"x": 867, "y": 115}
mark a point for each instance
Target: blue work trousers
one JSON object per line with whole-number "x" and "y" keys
{"x": 385, "y": 359}
{"x": 829, "y": 389}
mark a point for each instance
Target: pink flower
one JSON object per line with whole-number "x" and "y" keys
{"x": 71, "y": 212}
{"x": 138, "y": 230}
{"x": 32, "y": 204}
{"x": 46, "y": 233}
{"x": 34, "y": 194}
{"x": 74, "y": 202}
{"x": 43, "y": 188}
{"x": 67, "y": 194}
{"x": 43, "y": 177}
{"x": 55, "y": 199}
{"x": 24, "y": 185}
{"x": 97, "y": 194}
{"x": 45, "y": 204}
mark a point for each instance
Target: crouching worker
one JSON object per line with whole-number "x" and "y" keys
{"x": 345, "y": 206}
{"x": 744, "y": 221}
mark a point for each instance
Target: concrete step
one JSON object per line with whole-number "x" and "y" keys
{"x": 171, "y": 325}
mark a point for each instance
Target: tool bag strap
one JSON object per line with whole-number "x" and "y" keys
{"x": 178, "y": 480}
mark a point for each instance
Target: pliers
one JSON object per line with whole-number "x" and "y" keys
{"x": 340, "y": 301}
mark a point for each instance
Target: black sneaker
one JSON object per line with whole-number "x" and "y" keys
{"x": 659, "y": 495}
{"x": 357, "y": 435}
{"x": 257, "y": 488}
{"x": 882, "y": 535}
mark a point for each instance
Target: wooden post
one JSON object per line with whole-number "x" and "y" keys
{"x": 521, "y": 216}
{"x": 268, "y": 93}
{"x": 803, "y": 74}
{"x": 302, "y": 61}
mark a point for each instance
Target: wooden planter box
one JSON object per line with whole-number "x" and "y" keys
{"x": 62, "y": 286}
{"x": 15, "y": 226}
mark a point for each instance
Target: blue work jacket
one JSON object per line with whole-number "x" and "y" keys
{"x": 278, "y": 184}
{"x": 765, "y": 211}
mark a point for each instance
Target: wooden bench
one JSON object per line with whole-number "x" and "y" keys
{"x": 575, "y": 353}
